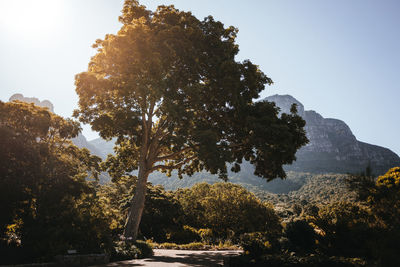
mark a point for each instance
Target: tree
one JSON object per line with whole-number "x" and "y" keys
{"x": 161, "y": 207}
{"x": 46, "y": 206}
{"x": 168, "y": 87}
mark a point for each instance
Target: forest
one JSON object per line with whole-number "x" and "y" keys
{"x": 168, "y": 88}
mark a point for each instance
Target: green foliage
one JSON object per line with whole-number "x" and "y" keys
{"x": 257, "y": 244}
{"x": 385, "y": 198}
{"x": 206, "y": 235}
{"x": 171, "y": 66}
{"x": 227, "y": 209}
{"x": 127, "y": 250}
{"x": 363, "y": 184}
{"x": 165, "y": 210}
{"x": 162, "y": 208}
{"x": 384, "y": 202}
{"x": 345, "y": 229}
{"x": 301, "y": 236}
{"x": 220, "y": 211}
{"x": 168, "y": 86}
{"x": 47, "y": 204}
{"x": 184, "y": 235}
{"x": 193, "y": 246}
{"x": 145, "y": 249}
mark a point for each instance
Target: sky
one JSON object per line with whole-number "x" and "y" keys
{"x": 340, "y": 58}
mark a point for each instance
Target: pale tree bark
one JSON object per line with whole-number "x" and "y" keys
{"x": 137, "y": 205}
{"x": 138, "y": 200}
{"x": 149, "y": 155}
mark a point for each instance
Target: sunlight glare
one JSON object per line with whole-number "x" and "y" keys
{"x": 30, "y": 18}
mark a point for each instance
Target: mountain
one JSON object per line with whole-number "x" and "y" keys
{"x": 333, "y": 147}
{"x": 44, "y": 104}
{"x": 103, "y": 147}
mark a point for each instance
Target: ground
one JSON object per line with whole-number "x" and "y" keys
{"x": 179, "y": 258}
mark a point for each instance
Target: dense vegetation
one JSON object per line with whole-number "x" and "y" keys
{"x": 52, "y": 202}
{"x": 47, "y": 205}
{"x": 359, "y": 230}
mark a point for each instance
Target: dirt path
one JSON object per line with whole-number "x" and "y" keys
{"x": 178, "y": 258}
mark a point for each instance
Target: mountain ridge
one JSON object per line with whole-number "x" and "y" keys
{"x": 333, "y": 146}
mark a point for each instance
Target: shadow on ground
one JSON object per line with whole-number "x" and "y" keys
{"x": 179, "y": 258}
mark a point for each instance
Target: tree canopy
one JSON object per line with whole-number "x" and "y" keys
{"x": 167, "y": 85}
{"x": 228, "y": 209}
{"x": 46, "y": 206}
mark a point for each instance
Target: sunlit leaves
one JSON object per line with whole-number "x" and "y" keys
{"x": 43, "y": 179}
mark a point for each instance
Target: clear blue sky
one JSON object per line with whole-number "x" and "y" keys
{"x": 340, "y": 58}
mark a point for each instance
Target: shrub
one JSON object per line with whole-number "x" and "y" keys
{"x": 127, "y": 250}
{"x": 345, "y": 229}
{"x": 145, "y": 249}
{"x": 168, "y": 245}
{"x": 301, "y": 236}
{"x": 228, "y": 209}
{"x": 124, "y": 251}
{"x": 257, "y": 244}
{"x": 193, "y": 246}
{"x": 184, "y": 236}
{"x": 206, "y": 235}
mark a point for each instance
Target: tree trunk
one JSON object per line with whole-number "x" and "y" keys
{"x": 137, "y": 205}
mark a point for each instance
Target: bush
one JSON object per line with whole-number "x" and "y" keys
{"x": 345, "y": 229}
{"x": 206, "y": 235}
{"x": 257, "y": 244}
{"x": 168, "y": 245}
{"x": 126, "y": 250}
{"x": 145, "y": 249}
{"x": 193, "y": 246}
{"x": 301, "y": 236}
{"x": 228, "y": 209}
{"x": 184, "y": 236}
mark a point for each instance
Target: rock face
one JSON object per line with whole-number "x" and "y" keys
{"x": 34, "y": 100}
{"x": 332, "y": 146}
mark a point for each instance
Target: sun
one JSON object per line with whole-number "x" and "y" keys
{"x": 30, "y": 18}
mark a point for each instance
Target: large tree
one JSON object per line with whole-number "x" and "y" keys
{"x": 167, "y": 85}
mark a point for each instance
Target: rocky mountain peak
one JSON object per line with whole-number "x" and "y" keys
{"x": 34, "y": 100}
{"x": 285, "y": 102}
{"x": 333, "y": 147}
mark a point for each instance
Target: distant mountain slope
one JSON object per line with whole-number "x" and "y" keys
{"x": 333, "y": 147}
{"x": 103, "y": 147}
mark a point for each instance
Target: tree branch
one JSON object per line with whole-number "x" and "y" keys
{"x": 172, "y": 167}
{"x": 172, "y": 155}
